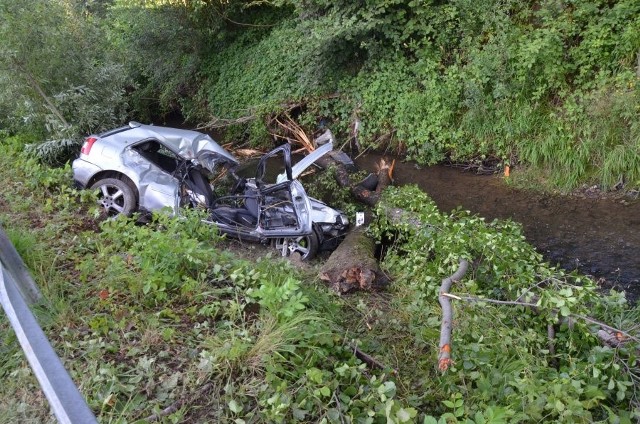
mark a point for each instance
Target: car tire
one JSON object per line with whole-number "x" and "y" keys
{"x": 116, "y": 197}
{"x": 305, "y": 246}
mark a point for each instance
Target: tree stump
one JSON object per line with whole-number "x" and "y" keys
{"x": 353, "y": 265}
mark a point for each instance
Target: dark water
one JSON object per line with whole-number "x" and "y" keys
{"x": 599, "y": 237}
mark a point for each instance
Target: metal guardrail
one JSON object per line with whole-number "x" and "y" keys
{"x": 16, "y": 291}
{"x": 11, "y": 259}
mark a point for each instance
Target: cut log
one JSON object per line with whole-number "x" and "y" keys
{"x": 353, "y": 266}
{"x": 446, "y": 325}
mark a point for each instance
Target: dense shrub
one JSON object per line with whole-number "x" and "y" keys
{"x": 502, "y": 80}
{"x": 455, "y": 80}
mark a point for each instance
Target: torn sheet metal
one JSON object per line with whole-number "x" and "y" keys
{"x": 311, "y": 158}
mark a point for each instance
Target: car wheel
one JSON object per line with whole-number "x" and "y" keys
{"x": 116, "y": 197}
{"x": 305, "y": 246}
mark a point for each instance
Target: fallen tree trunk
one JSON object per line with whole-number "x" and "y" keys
{"x": 353, "y": 266}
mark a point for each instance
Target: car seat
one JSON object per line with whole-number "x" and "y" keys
{"x": 198, "y": 184}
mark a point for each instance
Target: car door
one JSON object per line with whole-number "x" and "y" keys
{"x": 285, "y": 209}
{"x": 154, "y": 165}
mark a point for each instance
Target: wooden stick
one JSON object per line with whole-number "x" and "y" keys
{"x": 370, "y": 360}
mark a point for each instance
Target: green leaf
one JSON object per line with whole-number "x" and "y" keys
{"x": 315, "y": 375}
{"x": 235, "y": 407}
{"x": 559, "y": 405}
{"x": 405, "y": 415}
{"x": 448, "y": 404}
{"x": 388, "y": 388}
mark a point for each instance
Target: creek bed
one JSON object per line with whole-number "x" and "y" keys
{"x": 598, "y": 236}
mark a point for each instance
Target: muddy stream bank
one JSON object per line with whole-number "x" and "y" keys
{"x": 597, "y": 236}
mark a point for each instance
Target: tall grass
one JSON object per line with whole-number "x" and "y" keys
{"x": 592, "y": 138}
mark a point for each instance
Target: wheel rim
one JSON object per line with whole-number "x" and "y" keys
{"x": 288, "y": 246}
{"x": 112, "y": 199}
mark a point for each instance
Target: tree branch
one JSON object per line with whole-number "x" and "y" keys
{"x": 444, "y": 355}
{"x": 38, "y": 88}
{"x": 609, "y": 329}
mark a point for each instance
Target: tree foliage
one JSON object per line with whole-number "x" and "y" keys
{"x": 504, "y": 80}
{"x": 55, "y": 78}
{"x": 503, "y": 357}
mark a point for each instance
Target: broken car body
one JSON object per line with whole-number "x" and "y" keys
{"x": 145, "y": 168}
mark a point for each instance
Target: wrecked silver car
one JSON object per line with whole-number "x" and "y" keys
{"x": 144, "y": 168}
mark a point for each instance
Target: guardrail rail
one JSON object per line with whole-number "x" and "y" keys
{"x": 17, "y": 292}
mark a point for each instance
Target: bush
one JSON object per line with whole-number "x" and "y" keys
{"x": 503, "y": 364}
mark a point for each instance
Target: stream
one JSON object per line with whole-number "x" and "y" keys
{"x": 598, "y": 236}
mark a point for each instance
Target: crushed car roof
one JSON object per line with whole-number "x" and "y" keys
{"x": 186, "y": 143}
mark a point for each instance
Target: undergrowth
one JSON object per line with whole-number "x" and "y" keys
{"x": 149, "y": 316}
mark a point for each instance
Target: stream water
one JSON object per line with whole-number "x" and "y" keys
{"x": 599, "y": 237}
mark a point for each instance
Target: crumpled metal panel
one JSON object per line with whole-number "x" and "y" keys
{"x": 306, "y": 162}
{"x": 188, "y": 143}
{"x": 156, "y": 188}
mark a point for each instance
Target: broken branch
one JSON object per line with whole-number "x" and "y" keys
{"x": 444, "y": 356}
{"x": 370, "y": 360}
{"x": 605, "y": 333}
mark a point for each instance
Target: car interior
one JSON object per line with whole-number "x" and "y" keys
{"x": 159, "y": 155}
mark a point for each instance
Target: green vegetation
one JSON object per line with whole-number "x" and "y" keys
{"x": 149, "y": 316}
{"x": 551, "y": 86}
{"x": 146, "y": 317}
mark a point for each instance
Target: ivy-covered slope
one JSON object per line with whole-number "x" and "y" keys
{"x": 549, "y": 85}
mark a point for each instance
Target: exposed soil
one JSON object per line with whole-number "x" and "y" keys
{"x": 598, "y": 235}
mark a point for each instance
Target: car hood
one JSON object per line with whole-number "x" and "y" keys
{"x": 307, "y": 161}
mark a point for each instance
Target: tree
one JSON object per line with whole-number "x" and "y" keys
{"x": 54, "y": 77}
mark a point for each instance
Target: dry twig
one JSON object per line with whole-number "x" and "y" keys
{"x": 370, "y": 360}
{"x": 296, "y": 130}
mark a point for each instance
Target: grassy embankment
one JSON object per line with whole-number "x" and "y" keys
{"x": 145, "y": 317}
